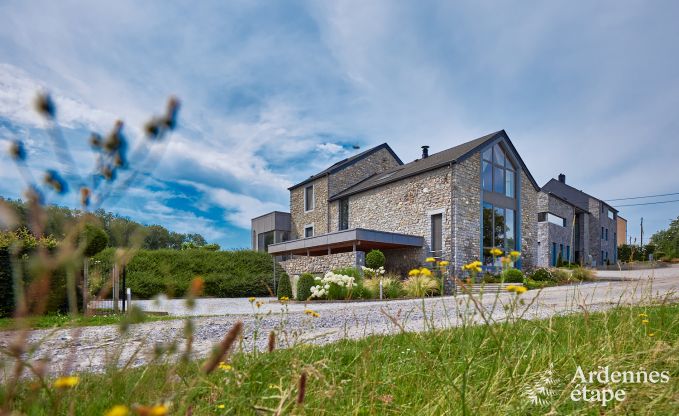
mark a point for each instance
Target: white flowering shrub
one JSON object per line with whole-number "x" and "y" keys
{"x": 333, "y": 286}
{"x": 372, "y": 273}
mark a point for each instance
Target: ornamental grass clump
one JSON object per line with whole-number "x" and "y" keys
{"x": 420, "y": 283}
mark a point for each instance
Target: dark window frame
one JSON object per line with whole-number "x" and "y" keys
{"x": 309, "y": 203}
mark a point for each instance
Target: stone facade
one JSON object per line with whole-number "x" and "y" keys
{"x": 549, "y": 233}
{"x": 602, "y": 241}
{"x": 322, "y": 264}
{"x": 466, "y": 206}
{"x": 406, "y": 207}
{"x": 529, "y": 226}
{"x": 318, "y": 216}
{"x": 376, "y": 162}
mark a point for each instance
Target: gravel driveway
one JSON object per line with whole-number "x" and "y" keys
{"x": 89, "y": 348}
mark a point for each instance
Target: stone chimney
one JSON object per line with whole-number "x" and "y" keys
{"x": 425, "y": 152}
{"x": 562, "y": 178}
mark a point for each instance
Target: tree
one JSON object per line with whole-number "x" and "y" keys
{"x": 94, "y": 238}
{"x": 375, "y": 259}
{"x": 304, "y": 284}
{"x": 284, "y": 287}
{"x": 667, "y": 241}
{"x": 196, "y": 239}
{"x": 157, "y": 237}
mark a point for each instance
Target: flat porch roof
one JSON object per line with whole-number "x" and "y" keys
{"x": 342, "y": 241}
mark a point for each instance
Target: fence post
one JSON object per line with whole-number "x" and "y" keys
{"x": 124, "y": 288}
{"x": 86, "y": 288}
{"x": 115, "y": 288}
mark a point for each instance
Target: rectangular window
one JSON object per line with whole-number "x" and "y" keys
{"x": 487, "y": 225}
{"x": 309, "y": 198}
{"x": 602, "y": 256}
{"x": 309, "y": 231}
{"x": 602, "y": 233}
{"x": 568, "y": 254}
{"x": 611, "y": 214}
{"x": 509, "y": 183}
{"x": 509, "y": 230}
{"x": 561, "y": 251}
{"x": 554, "y": 219}
{"x": 344, "y": 214}
{"x": 499, "y": 181}
{"x": 487, "y": 177}
{"x": 437, "y": 235}
{"x": 553, "y": 254}
{"x": 606, "y": 234}
{"x": 500, "y": 228}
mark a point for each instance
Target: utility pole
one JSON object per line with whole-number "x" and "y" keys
{"x": 642, "y": 232}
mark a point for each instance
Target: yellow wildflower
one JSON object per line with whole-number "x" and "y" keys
{"x": 511, "y": 288}
{"x": 259, "y": 304}
{"x": 224, "y": 366}
{"x": 645, "y": 321}
{"x": 316, "y": 315}
{"x": 66, "y": 382}
{"x": 478, "y": 269}
{"x": 284, "y": 299}
{"x": 651, "y": 334}
{"x": 643, "y": 315}
{"x": 521, "y": 289}
{"x": 495, "y": 251}
{"x": 311, "y": 312}
{"x": 220, "y": 406}
{"x": 515, "y": 254}
{"x": 413, "y": 272}
{"x": 425, "y": 272}
{"x": 443, "y": 263}
{"x": 158, "y": 410}
{"x": 430, "y": 260}
{"x": 251, "y": 299}
{"x": 118, "y": 410}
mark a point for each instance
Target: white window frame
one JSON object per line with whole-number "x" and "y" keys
{"x": 313, "y": 230}
{"x": 313, "y": 198}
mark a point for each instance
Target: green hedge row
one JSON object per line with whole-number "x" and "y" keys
{"x": 237, "y": 273}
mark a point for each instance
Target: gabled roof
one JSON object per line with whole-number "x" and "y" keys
{"x": 348, "y": 162}
{"x": 437, "y": 160}
{"x": 575, "y": 196}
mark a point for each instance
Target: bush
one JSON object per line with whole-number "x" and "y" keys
{"x": 420, "y": 286}
{"x": 239, "y": 273}
{"x": 304, "y": 284}
{"x": 391, "y": 288}
{"x": 532, "y": 284}
{"x": 375, "y": 259}
{"x": 6, "y": 284}
{"x": 561, "y": 276}
{"x": 94, "y": 238}
{"x": 513, "y": 276}
{"x": 541, "y": 275}
{"x": 559, "y": 260}
{"x": 582, "y": 274}
{"x": 284, "y": 287}
{"x": 350, "y": 271}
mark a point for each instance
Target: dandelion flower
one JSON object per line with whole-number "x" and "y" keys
{"x": 220, "y": 406}
{"x": 515, "y": 254}
{"x": 643, "y": 315}
{"x": 444, "y": 263}
{"x": 495, "y": 251}
{"x": 425, "y": 272}
{"x": 66, "y": 382}
{"x": 224, "y": 366}
{"x": 651, "y": 334}
{"x": 521, "y": 289}
{"x": 251, "y": 299}
{"x": 413, "y": 272}
{"x": 430, "y": 260}
{"x": 645, "y": 321}
{"x": 510, "y": 288}
{"x": 118, "y": 410}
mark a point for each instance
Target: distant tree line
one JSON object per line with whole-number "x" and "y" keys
{"x": 121, "y": 231}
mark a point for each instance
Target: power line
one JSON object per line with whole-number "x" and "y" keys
{"x": 647, "y": 203}
{"x": 641, "y": 197}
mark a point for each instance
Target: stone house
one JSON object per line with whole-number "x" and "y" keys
{"x": 454, "y": 205}
{"x": 578, "y": 227}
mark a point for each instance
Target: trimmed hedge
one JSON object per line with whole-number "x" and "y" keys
{"x": 284, "y": 287}
{"x": 238, "y": 273}
{"x": 304, "y": 284}
{"x": 375, "y": 259}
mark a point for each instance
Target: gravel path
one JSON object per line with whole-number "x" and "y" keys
{"x": 90, "y": 348}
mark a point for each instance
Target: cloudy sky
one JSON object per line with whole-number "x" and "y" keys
{"x": 274, "y": 91}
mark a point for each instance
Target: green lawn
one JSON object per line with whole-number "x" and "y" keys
{"x": 472, "y": 370}
{"x": 59, "y": 321}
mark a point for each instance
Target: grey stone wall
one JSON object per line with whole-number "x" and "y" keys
{"x": 529, "y": 226}
{"x": 322, "y": 264}
{"x": 378, "y": 161}
{"x": 318, "y": 216}
{"x": 466, "y": 206}
{"x": 405, "y": 207}
{"x": 549, "y": 233}
{"x": 598, "y": 243}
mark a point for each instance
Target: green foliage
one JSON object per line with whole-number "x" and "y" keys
{"x": 513, "y": 276}
{"x": 304, "y": 284}
{"x": 94, "y": 238}
{"x": 420, "y": 286}
{"x": 284, "y": 287}
{"x": 561, "y": 276}
{"x": 25, "y": 241}
{"x": 541, "y": 275}
{"x": 226, "y": 273}
{"x": 6, "y": 284}
{"x": 351, "y": 271}
{"x": 533, "y": 284}
{"x": 582, "y": 274}
{"x": 667, "y": 241}
{"x": 375, "y": 259}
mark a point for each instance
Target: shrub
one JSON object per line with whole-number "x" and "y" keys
{"x": 94, "y": 238}
{"x": 541, "y": 275}
{"x": 284, "y": 287}
{"x": 582, "y": 274}
{"x": 490, "y": 278}
{"x": 375, "y": 259}
{"x": 391, "y": 288}
{"x": 513, "y": 276}
{"x": 561, "y": 276}
{"x": 361, "y": 292}
{"x": 350, "y": 271}
{"x": 420, "y": 285}
{"x": 532, "y": 284}
{"x": 151, "y": 272}
{"x": 559, "y": 260}
{"x": 304, "y": 284}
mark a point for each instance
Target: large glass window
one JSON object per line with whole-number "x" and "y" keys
{"x": 437, "y": 235}
{"x": 499, "y": 231}
{"x": 498, "y": 173}
{"x": 309, "y": 198}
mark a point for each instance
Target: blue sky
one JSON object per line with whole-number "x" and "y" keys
{"x": 274, "y": 91}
